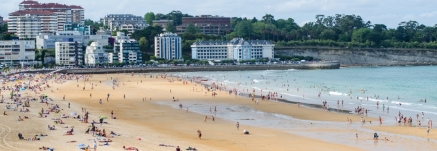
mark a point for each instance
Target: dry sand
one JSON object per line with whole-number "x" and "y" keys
{"x": 158, "y": 124}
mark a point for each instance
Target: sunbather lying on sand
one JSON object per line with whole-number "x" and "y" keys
{"x": 130, "y": 148}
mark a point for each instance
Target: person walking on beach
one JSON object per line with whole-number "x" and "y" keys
{"x": 238, "y": 126}
{"x": 100, "y": 101}
{"x": 204, "y": 120}
{"x": 213, "y": 119}
{"x": 427, "y": 130}
{"x": 199, "y": 134}
{"x": 68, "y": 105}
{"x": 107, "y": 99}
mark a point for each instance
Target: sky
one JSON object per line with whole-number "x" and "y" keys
{"x": 388, "y": 12}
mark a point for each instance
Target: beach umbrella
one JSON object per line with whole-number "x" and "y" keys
{"x": 103, "y": 117}
{"x": 81, "y": 146}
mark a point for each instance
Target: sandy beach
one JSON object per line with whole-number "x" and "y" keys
{"x": 147, "y": 116}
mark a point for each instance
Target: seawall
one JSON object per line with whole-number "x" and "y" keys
{"x": 365, "y": 56}
{"x": 305, "y": 66}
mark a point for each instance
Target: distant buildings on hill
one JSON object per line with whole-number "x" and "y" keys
{"x": 207, "y": 24}
{"x": 129, "y": 22}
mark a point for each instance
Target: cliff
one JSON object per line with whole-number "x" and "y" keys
{"x": 366, "y": 56}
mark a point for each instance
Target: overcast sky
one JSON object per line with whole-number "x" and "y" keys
{"x": 388, "y": 12}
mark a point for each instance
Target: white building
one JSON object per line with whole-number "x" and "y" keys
{"x": 236, "y": 49}
{"x": 29, "y": 23}
{"x": 126, "y": 50}
{"x": 168, "y": 46}
{"x": 95, "y": 55}
{"x": 17, "y": 51}
{"x": 124, "y": 21}
{"x": 69, "y": 53}
{"x": 47, "y": 41}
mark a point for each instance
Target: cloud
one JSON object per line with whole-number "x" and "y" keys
{"x": 389, "y": 12}
{"x": 429, "y": 15}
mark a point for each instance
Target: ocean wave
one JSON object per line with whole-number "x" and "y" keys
{"x": 403, "y": 103}
{"x": 337, "y": 93}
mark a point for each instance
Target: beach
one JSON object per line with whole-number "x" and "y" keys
{"x": 146, "y": 107}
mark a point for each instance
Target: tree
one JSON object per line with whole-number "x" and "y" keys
{"x": 89, "y": 43}
{"x": 170, "y": 27}
{"x": 191, "y": 29}
{"x": 176, "y": 16}
{"x": 144, "y": 44}
{"x": 361, "y": 35}
{"x": 328, "y": 34}
{"x": 243, "y": 29}
{"x": 149, "y": 17}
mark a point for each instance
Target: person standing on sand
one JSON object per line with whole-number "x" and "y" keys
{"x": 124, "y": 96}
{"x": 213, "y": 119}
{"x": 380, "y": 120}
{"x": 100, "y": 101}
{"x": 199, "y": 134}
{"x": 238, "y": 126}
{"x": 427, "y": 130}
{"x": 204, "y": 120}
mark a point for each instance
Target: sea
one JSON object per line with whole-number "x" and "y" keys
{"x": 397, "y": 90}
{"x": 401, "y": 89}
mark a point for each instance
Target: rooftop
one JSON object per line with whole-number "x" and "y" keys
{"x": 29, "y": 2}
{"x": 35, "y": 4}
{"x": 234, "y": 41}
{"x": 31, "y": 12}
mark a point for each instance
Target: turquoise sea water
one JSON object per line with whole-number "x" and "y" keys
{"x": 410, "y": 84}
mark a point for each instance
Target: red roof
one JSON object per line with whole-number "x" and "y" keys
{"x": 29, "y": 2}
{"x": 75, "y": 7}
{"x": 49, "y": 5}
{"x": 32, "y": 12}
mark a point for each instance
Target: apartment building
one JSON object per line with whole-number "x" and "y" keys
{"x": 14, "y": 52}
{"x": 69, "y": 53}
{"x": 128, "y": 22}
{"x": 52, "y": 17}
{"x": 29, "y": 23}
{"x": 126, "y": 50}
{"x": 235, "y": 49}
{"x": 1, "y": 20}
{"x": 95, "y": 55}
{"x": 207, "y": 24}
{"x": 168, "y": 46}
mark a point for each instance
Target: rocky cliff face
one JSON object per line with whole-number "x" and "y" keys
{"x": 366, "y": 57}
